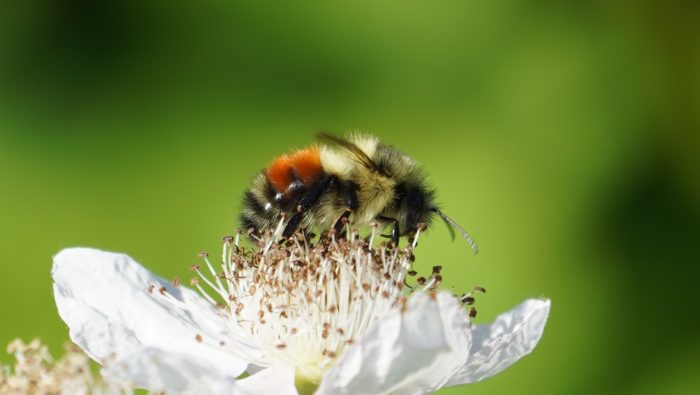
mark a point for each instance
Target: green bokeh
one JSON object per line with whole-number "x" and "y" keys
{"x": 563, "y": 137}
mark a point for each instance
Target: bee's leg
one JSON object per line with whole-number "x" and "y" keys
{"x": 351, "y": 203}
{"x": 292, "y": 225}
{"x": 340, "y": 222}
{"x": 350, "y": 192}
{"x": 306, "y": 202}
{"x": 316, "y": 192}
{"x": 395, "y": 230}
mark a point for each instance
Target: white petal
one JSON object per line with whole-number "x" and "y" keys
{"x": 497, "y": 346}
{"x": 161, "y": 371}
{"x": 277, "y": 380}
{"x": 104, "y": 299}
{"x": 418, "y": 349}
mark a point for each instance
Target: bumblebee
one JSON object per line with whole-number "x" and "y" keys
{"x": 358, "y": 179}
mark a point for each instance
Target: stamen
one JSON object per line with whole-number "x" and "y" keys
{"x": 195, "y": 282}
{"x": 303, "y": 303}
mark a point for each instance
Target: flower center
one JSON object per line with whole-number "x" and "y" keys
{"x": 304, "y": 303}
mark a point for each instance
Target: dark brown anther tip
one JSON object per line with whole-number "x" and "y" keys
{"x": 468, "y": 300}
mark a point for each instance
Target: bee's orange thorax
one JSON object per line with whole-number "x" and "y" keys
{"x": 303, "y": 165}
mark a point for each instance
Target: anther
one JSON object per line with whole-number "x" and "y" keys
{"x": 480, "y": 289}
{"x": 194, "y": 267}
{"x": 421, "y": 280}
{"x": 151, "y": 288}
{"x": 203, "y": 254}
{"x": 281, "y": 346}
{"x": 198, "y": 337}
{"x": 402, "y": 302}
{"x": 162, "y": 290}
{"x": 437, "y": 269}
{"x": 176, "y": 282}
{"x": 472, "y": 312}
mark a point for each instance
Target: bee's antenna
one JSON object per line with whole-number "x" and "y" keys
{"x": 454, "y": 225}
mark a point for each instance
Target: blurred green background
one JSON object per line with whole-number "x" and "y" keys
{"x": 564, "y": 137}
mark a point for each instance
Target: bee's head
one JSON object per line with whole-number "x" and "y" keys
{"x": 413, "y": 206}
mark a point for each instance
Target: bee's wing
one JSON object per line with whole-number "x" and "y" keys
{"x": 355, "y": 152}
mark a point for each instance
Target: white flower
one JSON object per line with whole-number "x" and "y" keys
{"x": 334, "y": 318}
